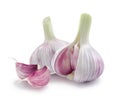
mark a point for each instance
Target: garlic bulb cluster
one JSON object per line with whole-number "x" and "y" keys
{"x": 45, "y": 52}
{"x": 34, "y": 76}
{"x": 79, "y": 61}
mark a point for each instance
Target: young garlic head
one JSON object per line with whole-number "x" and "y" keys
{"x": 79, "y": 61}
{"x": 45, "y": 52}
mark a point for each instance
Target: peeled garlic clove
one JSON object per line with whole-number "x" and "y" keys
{"x": 88, "y": 64}
{"x": 24, "y": 70}
{"x": 39, "y": 78}
{"x": 45, "y": 52}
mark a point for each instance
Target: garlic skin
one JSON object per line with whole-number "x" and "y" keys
{"x": 89, "y": 65}
{"x": 24, "y": 70}
{"x": 45, "y": 52}
{"x": 79, "y": 61}
{"x": 39, "y": 78}
{"x": 34, "y": 76}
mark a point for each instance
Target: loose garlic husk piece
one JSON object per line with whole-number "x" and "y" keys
{"x": 34, "y": 76}
{"x": 45, "y": 52}
{"x": 25, "y": 70}
{"x": 39, "y": 78}
{"x": 79, "y": 61}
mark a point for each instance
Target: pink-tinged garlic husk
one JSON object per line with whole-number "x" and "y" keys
{"x": 79, "y": 61}
{"x": 45, "y": 52}
{"x": 39, "y": 78}
{"x": 25, "y": 70}
{"x": 34, "y": 76}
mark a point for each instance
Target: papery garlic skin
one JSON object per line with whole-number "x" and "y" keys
{"x": 24, "y": 70}
{"x": 34, "y": 76}
{"x": 89, "y": 65}
{"x": 45, "y": 52}
{"x": 39, "y": 78}
{"x": 79, "y": 61}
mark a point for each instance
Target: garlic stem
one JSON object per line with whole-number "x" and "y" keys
{"x": 48, "y": 31}
{"x": 84, "y": 28}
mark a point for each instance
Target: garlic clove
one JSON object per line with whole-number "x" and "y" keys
{"x": 39, "y": 78}
{"x": 45, "y": 52}
{"x": 24, "y": 70}
{"x": 62, "y": 62}
{"x": 65, "y": 60}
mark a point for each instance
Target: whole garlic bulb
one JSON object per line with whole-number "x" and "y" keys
{"x": 45, "y": 52}
{"x": 79, "y": 61}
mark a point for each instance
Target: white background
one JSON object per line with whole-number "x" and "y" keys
{"x": 21, "y": 32}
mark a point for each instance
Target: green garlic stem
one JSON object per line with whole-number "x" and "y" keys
{"x": 84, "y": 28}
{"x": 85, "y": 23}
{"x": 48, "y": 31}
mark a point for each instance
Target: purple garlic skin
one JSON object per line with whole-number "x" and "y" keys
{"x": 45, "y": 52}
{"x": 34, "y": 76}
{"x": 24, "y": 70}
{"x": 79, "y": 61}
{"x": 39, "y": 78}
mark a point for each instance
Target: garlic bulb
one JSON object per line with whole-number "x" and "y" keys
{"x": 79, "y": 61}
{"x": 45, "y": 52}
{"x": 34, "y": 76}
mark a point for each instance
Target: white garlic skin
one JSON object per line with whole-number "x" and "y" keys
{"x": 45, "y": 52}
{"x": 89, "y": 64}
